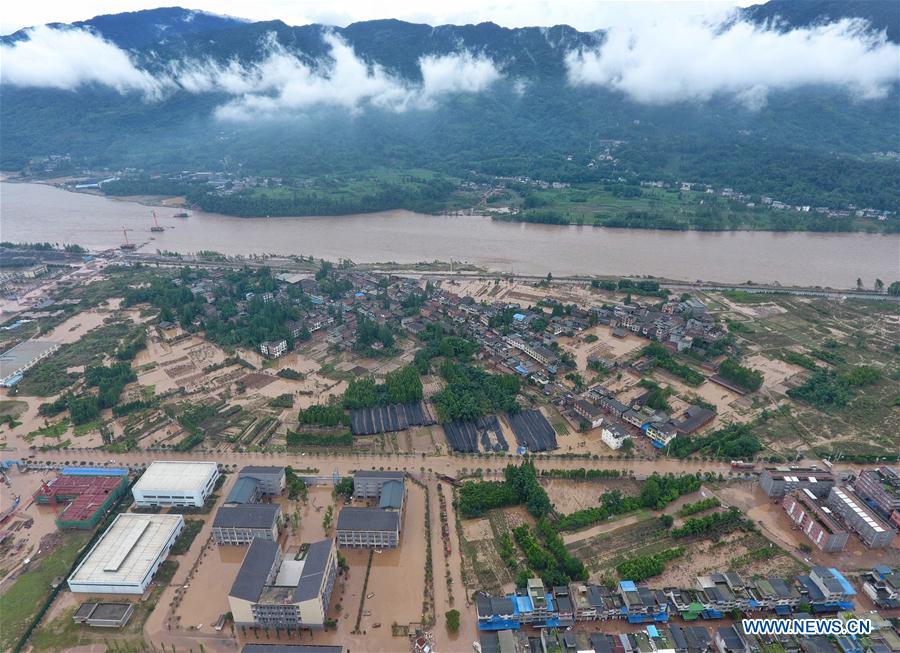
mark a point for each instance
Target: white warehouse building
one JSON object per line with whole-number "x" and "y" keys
{"x": 127, "y": 555}
{"x": 176, "y": 483}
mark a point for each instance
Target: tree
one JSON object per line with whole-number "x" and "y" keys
{"x": 344, "y": 487}
{"x": 879, "y": 285}
{"x": 666, "y": 521}
{"x": 894, "y": 289}
{"x": 296, "y": 487}
{"x": 743, "y": 376}
{"x": 549, "y": 277}
{"x": 859, "y": 283}
{"x": 452, "y": 617}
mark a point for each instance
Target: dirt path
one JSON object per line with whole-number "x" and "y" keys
{"x": 606, "y": 527}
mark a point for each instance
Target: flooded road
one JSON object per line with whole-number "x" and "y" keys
{"x": 37, "y": 212}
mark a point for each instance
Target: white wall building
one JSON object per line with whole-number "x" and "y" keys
{"x": 127, "y": 555}
{"x": 614, "y": 436}
{"x": 176, "y": 483}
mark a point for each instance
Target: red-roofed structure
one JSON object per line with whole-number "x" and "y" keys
{"x": 89, "y": 497}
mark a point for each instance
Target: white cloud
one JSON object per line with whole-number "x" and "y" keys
{"x": 456, "y": 73}
{"x": 282, "y": 83}
{"x": 680, "y": 60}
{"x": 69, "y": 58}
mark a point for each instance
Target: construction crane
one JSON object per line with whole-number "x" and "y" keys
{"x": 127, "y": 245}
{"x": 155, "y": 226}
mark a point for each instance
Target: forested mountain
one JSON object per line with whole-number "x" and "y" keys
{"x": 803, "y": 13}
{"x": 184, "y": 90}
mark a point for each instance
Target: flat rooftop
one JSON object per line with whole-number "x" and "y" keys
{"x": 104, "y": 611}
{"x": 859, "y": 507}
{"x": 182, "y": 476}
{"x": 798, "y": 475}
{"x": 22, "y": 354}
{"x": 127, "y": 550}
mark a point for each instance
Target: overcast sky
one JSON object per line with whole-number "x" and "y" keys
{"x": 582, "y": 14}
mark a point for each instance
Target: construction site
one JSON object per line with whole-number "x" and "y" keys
{"x": 85, "y": 494}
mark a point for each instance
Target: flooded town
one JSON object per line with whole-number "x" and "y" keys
{"x": 471, "y": 327}
{"x": 245, "y": 453}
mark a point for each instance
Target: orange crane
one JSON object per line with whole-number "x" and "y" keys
{"x": 155, "y": 226}
{"x": 127, "y": 245}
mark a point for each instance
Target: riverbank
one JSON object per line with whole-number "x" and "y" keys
{"x": 650, "y": 210}
{"x": 38, "y": 213}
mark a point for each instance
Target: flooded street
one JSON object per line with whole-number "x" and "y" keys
{"x": 37, "y": 212}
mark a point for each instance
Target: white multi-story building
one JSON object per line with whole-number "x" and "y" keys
{"x": 273, "y": 348}
{"x": 369, "y": 528}
{"x": 614, "y": 436}
{"x": 270, "y": 591}
{"x": 176, "y": 483}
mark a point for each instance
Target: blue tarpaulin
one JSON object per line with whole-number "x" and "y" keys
{"x": 845, "y": 586}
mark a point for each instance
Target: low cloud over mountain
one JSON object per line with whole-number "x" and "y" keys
{"x": 661, "y": 62}
{"x": 651, "y": 58}
{"x": 281, "y": 81}
{"x": 69, "y": 58}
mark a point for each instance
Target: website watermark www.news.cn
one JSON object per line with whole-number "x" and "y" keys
{"x": 808, "y": 627}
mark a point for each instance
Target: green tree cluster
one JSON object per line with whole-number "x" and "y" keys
{"x": 643, "y": 567}
{"x": 663, "y": 358}
{"x": 689, "y": 509}
{"x": 324, "y": 415}
{"x": 728, "y": 442}
{"x": 471, "y": 392}
{"x": 519, "y": 487}
{"x": 714, "y": 525}
{"x": 740, "y": 375}
{"x": 401, "y": 386}
{"x": 656, "y": 493}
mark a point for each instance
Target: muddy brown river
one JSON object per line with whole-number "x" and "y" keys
{"x": 37, "y": 212}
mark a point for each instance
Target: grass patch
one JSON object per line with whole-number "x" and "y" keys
{"x": 166, "y": 572}
{"x": 51, "y": 431}
{"x": 63, "y": 634}
{"x": 182, "y": 544}
{"x": 12, "y": 407}
{"x": 83, "y": 429}
{"x": 744, "y": 297}
{"x": 559, "y": 426}
{"x": 50, "y": 377}
{"x": 27, "y": 594}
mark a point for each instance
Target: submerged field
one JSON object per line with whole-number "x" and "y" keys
{"x": 819, "y": 347}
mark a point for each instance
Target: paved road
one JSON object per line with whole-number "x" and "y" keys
{"x": 443, "y": 464}
{"x": 673, "y": 285}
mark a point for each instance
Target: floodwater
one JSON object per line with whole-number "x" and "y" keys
{"x": 38, "y": 212}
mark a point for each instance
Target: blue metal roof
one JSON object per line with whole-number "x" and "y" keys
{"x": 93, "y": 471}
{"x": 628, "y": 586}
{"x": 498, "y": 624}
{"x": 391, "y": 495}
{"x": 243, "y": 490}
